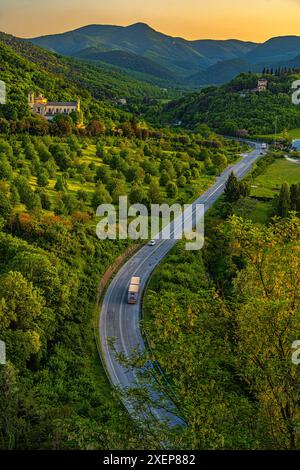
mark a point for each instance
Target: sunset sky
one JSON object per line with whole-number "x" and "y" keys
{"x": 255, "y": 20}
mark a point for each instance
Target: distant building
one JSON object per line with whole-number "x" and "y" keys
{"x": 262, "y": 85}
{"x": 49, "y": 109}
{"x": 296, "y": 145}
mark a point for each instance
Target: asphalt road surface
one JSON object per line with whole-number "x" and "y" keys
{"x": 121, "y": 321}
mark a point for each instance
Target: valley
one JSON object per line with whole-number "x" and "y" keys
{"x": 200, "y": 360}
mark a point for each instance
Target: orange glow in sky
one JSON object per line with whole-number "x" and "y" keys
{"x": 257, "y": 20}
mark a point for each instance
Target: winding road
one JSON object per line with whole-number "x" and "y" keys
{"x": 121, "y": 321}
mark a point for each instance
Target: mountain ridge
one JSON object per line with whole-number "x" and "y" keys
{"x": 101, "y": 80}
{"x": 178, "y": 55}
{"x": 174, "y": 59}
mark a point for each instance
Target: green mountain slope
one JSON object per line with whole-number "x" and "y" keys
{"x": 235, "y": 106}
{"x": 127, "y": 60}
{"x": 222, "y": 72}
{"x": 223, "y": 50}
{"x": 176, "y": 54}
{"x": 295, "y": 62}
{"x": 277, "y": 49}
{"x": 100, "y": 80}
{"x": 187, "y": 60}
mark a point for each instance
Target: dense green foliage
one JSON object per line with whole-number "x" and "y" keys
{"x": 208, "y": 315}
{"x": 221, "y": 324}
{"x": 234, "y": 189}
{"x": 25, "y": 68}
{"x": 188, "y": 327}
{"x": 232, "y": 108}
{"x": 53, "y": 394}
{"x": 52, "y": 178}
{"x": 224, "y": 343}
{"x": 288, "y": 200}
{"x": 72, "y": 176}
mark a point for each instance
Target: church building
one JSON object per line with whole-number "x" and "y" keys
{"x": 49, "y": 109}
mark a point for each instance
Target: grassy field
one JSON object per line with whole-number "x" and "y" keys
{"x": 293, "y": 134}
{"x": 255, "y": 210}
{"x": 268, "y": 184}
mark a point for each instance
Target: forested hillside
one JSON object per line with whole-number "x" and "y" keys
{"x": 52, "y": 178}
{"x": 179, "y": 62}
{"x": 100, "y": 80}
{"x": 220, "y": 322}
{"x": 55, "y": 392}
{"x": 233, "y": 107}
{"x": 177, "y": 56}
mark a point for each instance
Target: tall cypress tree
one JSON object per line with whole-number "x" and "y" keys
{"x": 232, "y": 189}
{"x": 295, "y": 196}
{"x": 284, "y": 200}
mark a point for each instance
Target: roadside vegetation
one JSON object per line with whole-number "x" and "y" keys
{"x": 208, "y": 314}
{"x": 273, "y": 190}
{"x": 55, "y": 393}
{"x": 53, "y": 176}
{"x": 221, "y": 323}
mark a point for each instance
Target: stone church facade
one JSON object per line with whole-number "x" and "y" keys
{"x": 48, "y": 109}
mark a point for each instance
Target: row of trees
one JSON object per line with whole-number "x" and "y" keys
{"x": 148, "y": 171}
{"x": 279, "y": 71}
{"x": 74, "y": 123}
{"x": 288, "y": 200}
